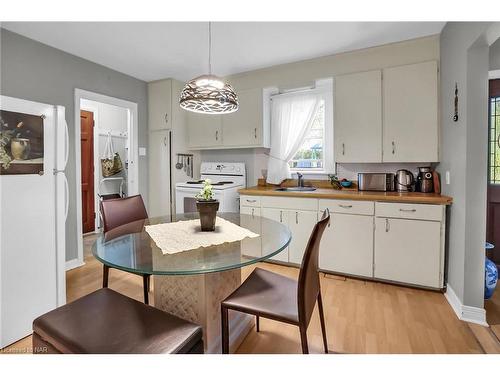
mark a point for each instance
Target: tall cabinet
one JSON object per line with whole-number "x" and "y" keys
{"x": 160, "y": 120}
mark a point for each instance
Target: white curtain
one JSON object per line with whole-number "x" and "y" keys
{"x": 292, "y": 116}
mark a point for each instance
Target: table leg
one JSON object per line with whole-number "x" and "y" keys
{"x": 197, "y": 298}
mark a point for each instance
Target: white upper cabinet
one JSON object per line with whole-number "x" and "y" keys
{"x": 358, "y": 117}
{"x": 204, "y": 130}
{"x": 411, "y": 130}
{"x": 244, "y": 127}
{"x": 160, "y": 105}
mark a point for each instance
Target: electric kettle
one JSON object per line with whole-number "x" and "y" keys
{"x": 404, "y": 180}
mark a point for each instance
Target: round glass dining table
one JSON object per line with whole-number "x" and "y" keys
{"x": 191, "y": 284}
{"x": 130, "y": 248}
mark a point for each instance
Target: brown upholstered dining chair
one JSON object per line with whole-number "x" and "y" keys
{"x": 273, "y": 296}
{"x": 121, "y": 211}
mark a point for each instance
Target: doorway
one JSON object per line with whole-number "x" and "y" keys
{"x": 87, "y": 168}
{"x": 492, "y": 305}
{"x": 493, "y": 219}
{"x": 113, "y": 120}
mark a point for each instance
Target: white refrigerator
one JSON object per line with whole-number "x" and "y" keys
{"x": 33, "y": 211}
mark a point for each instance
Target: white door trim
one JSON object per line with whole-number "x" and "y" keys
{"x": 133, "y": 162}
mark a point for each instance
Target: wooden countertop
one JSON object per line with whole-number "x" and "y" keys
{"x": 352, "y": 194}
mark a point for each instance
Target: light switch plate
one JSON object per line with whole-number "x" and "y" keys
{"x": 447, "y": 177}
{"x": 142, "y": 151}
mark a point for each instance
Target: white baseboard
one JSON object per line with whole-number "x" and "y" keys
{"x": 74, "y": 263}
{"x": 466, "y": 313}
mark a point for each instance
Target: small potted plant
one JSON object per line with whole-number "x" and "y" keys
{"x": 207, "y": 207}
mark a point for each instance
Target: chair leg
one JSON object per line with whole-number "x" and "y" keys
{"x": 225, "y": 330}
{"x": 322, "y": 321}
{"x": 145, "y": 286}
{"x": 257, "y": 320}
{"x": 303, "y": 339}
{"x": 105, "y": 276}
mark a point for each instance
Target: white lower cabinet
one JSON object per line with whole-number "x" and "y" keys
{"x": 408, "y": 251}
{"x": 399, "y": 242}
{"x": 301, "y": 224}
{"x": 251, "y": 247}
{"x": 281, "y": 216}
{"x": 347, "y": 245}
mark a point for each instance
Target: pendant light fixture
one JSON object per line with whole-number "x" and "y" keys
{"x": 208, "y": 93}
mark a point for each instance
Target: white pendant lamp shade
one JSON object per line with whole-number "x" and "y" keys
{"x": 208, "y": 93}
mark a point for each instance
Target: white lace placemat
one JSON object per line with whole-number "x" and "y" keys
{"x": 186, "y": 235}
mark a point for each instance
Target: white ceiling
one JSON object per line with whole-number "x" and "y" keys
{"x": 155, "y": 50}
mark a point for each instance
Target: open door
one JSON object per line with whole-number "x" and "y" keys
{"x": 87, "y": 165}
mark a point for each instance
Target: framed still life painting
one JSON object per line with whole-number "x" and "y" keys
{"x": 21, "y": 143}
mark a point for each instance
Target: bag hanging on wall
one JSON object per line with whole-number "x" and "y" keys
{"x": 111, "y": 164}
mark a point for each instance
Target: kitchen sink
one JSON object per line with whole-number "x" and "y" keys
{"x": 297, "y": 188}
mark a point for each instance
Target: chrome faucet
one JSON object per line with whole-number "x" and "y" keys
{"x": 300, "y": 182}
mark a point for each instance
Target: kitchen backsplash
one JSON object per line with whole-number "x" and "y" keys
{"x": 256, "y": 160}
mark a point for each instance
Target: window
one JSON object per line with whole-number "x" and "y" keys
{"x": 310, "y": 155}
{"x": 494, "y": 122}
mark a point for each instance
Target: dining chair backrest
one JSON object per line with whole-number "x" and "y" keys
{"x": 308, "y": 286}
{"x": 116, "y": 212}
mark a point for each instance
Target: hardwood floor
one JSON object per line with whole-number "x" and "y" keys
{"x": 492, "y": 307}
{"x": 361, "y": 316}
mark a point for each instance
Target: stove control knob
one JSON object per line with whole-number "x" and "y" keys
{"x": 238, "y": 169}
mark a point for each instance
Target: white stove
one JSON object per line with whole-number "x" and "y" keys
{"x": 226, "y": 179}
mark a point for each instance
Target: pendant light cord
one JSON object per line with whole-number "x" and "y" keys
{"x": 210, "y": 48}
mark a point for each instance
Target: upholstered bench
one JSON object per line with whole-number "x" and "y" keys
{"x": 108, "y": 322}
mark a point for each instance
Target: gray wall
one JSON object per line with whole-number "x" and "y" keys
{"x": 495, "y": 56}
{"x": 464, "y": 154}
{"x": 34, "y": 71}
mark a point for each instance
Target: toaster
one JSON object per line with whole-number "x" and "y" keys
{"x": 376, "y": 181}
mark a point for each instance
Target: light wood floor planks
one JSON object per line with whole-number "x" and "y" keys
{"x": 361, "y": 316}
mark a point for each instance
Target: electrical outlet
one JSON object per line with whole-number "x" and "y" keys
{"x": 447, "y": 177}
{"x": 142, "y": 151}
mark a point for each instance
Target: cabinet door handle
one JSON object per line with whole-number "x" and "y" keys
{"x": 343, "y": 148}
{"x": 281, "y": 216}
{"x": 387, "y": 226}
{"x": 251, "y": 200}
{"x": 165, "y": 141}
{"x": 345, "y": 205}
{"x": 166, "y": 118}
{"x": 296, "y": 217}
{"x": 216, "y": 135}
{"x": 253, "y": 211}
{"x": 393, "y": 147}
{"x": 407, "y": 210}
{"x": 255, "y": 133}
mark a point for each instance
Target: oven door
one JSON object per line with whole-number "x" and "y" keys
{"x": 185, "y": 200}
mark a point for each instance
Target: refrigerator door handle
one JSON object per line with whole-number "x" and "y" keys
{"x": 66, "y": 197}
{"x": 66, "y": 144}
{"x": 61, "y": 121}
